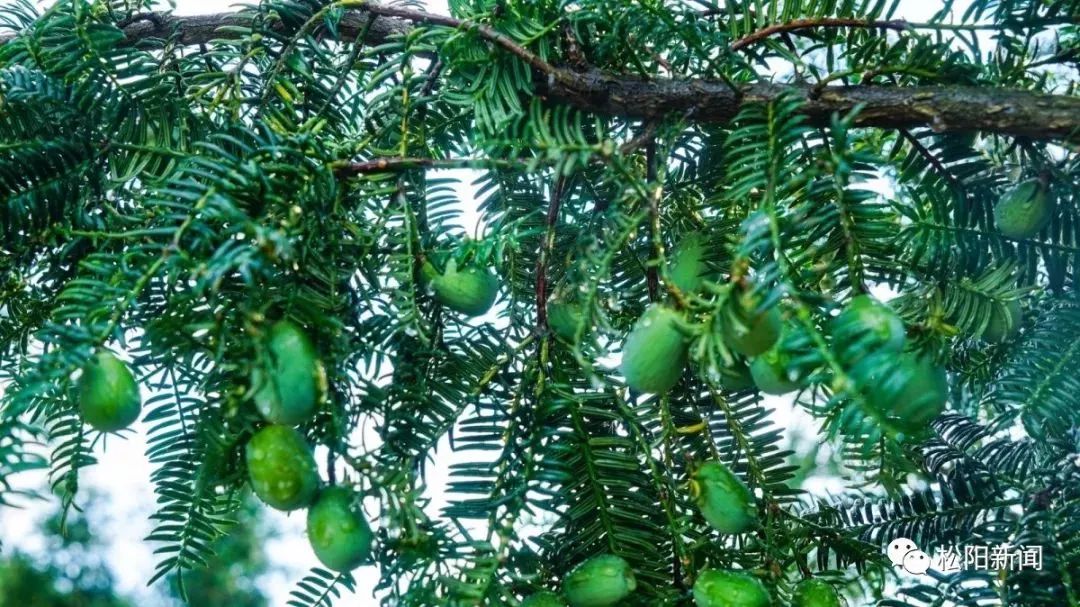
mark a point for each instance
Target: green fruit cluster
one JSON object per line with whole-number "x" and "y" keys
{"x": 108, "y": 395}
{"x": 281, "y": 468}
{"x": 751, "y": 330}
{"x": 867, "y": 321}
{"x": 655, "y": 352}
{"x": 687, "y": 267}
{"x": 469, "y": 290}
{"x": 285, "y": 384}
{"x": 564, "y": 318}
{"x": 724, "y": 588}
{"x": 1023, "y": 211}
{"x": 1003, "y": 324}
{"x": 912, "y": 392}
{"x": 725, "y": 502}
{"x": 771, "y": 372}
{"x": 814, "y": 593}
{"x": 600, "y": 581}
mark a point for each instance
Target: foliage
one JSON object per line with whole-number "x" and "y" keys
{"x": 171, "y": 201}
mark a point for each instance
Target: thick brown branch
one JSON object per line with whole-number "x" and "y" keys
{"x": 1004, "y": 111}
{"x": 802, "y": 24}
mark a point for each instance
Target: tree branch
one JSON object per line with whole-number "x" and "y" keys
{"x": 944, "y": 108}
{"x": 801, "y": 24}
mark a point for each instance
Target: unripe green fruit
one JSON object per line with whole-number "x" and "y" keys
{"x": 1023, "y": 211}
{"x": 924, "y": 395}
{"x": 338, "y": 533}
{"x": 544, "y": 599}
{"x": 470, "y": 291}
{"x": 736, "y": 378}
{"x": 770, "y": 373}
{"x": 563, "y": 318}
{"x": 655, "y": 351}
{"x": 108, "y": 395}
{"x": 753, "y": 332}
{"x": 814, "y": 593}
{"x": 721, "y": 588}
{"x": 867, "y": 318}
{"x": 599, "y": 582}
{"x": 686, "y": 266}
{"x": 1003, "y": 324}
{"x": 281, "y": 468}
{"x": 725, "y": 502}
{"x": 286, "y": 385}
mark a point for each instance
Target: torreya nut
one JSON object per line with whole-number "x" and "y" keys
{"x": 1023, "y": 211}
{"x": 544, "y": 598}
{"x": 725, "y": 502}
{"x": 686, "y": 265}
{"x": 752, "y": 331}
{"x": 722, "y": 588}
{"x": 470, "y": 290}
{"x": 108, "y": 395}
{"x": 286, "y": 382}
{"x": 564, "y": 318}
{"x": 814, "y": 593}
{"x": 770, "y": 373}
{"x": 1003, "y": 324}
{"x": 922, "y": 397}
{"x": 599, "y": 582}
{"x": 655, "y": 351}
{"x": 867, "y": 319}
{"x": 338, "y": 532}
{"x": 281, "y": 468}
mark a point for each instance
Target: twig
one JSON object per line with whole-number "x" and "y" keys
{"x": 554, "y": 204}
{"x": 802, "y": 24}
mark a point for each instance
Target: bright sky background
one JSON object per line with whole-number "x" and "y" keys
{"x": 121, "y": 477}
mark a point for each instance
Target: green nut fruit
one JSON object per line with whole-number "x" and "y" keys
{"x": 600, "y": 581}
{"x": 1023, "y": 211}
{"x": 687, "y": 268}
{"x": 655, "y": 351}
{"x": 867, "y": 318}
{"x": 722, "y": 588}
{"x": 814, "y": 593}
{"x": 544, "y": 599}
{"x": 770, "y": 373}
{"x": 923, "y": 396}
{"x": 725, "y": 502}
{"x": 108, "y": 395}
{"x": 1003, "y": 324}
{"x": 281, "y": 468}
{"x": 470, "y": 291}
{"x": 286, "y": 384}
{"x": 736, "y": 378}
{"x": 339, "y": 534}
{"x": 751, "y": 332}
{"x": 563, "y": 318}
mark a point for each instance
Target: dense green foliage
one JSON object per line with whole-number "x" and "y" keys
{"x": 172, "y": 201}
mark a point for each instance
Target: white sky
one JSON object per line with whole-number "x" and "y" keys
{"x": 121, "y": 477}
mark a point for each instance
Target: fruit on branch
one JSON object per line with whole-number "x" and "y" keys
{"x": 338, "y": 532}
{"x": 814, "y": 593}
{"x": 470, "y": 290}
{"x": 867, "y": 321}
{"x": 723, "y": 499}
{"x": 736, "y": 377}
{"x": 655, "y": 351}
{"x": 750, "y": 330}
{"x": 544, "y": 599}
{"x": 1003, "y": 323}
{"x": 286, "y": 380}
{"x": 563, "y": 318}
{"x": 108, "y": 395}
{"x": 687, "y": 268}
{"x": 1023, "y": 211}
{"x": 281, "y": 468}
{"x": 722, "y": 588}
{"x": 599, "y": 582}
{"x": 771, "y": 374}
{"x": 912, "y": 392}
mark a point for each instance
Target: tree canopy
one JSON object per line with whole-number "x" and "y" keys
{"x": 246, "y": 229}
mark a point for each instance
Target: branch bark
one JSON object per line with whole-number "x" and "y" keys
{"x": 943, "y": 108}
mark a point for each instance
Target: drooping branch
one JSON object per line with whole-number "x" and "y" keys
{"x": 802, "y": 24}
{"x": 943, "y": 108}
